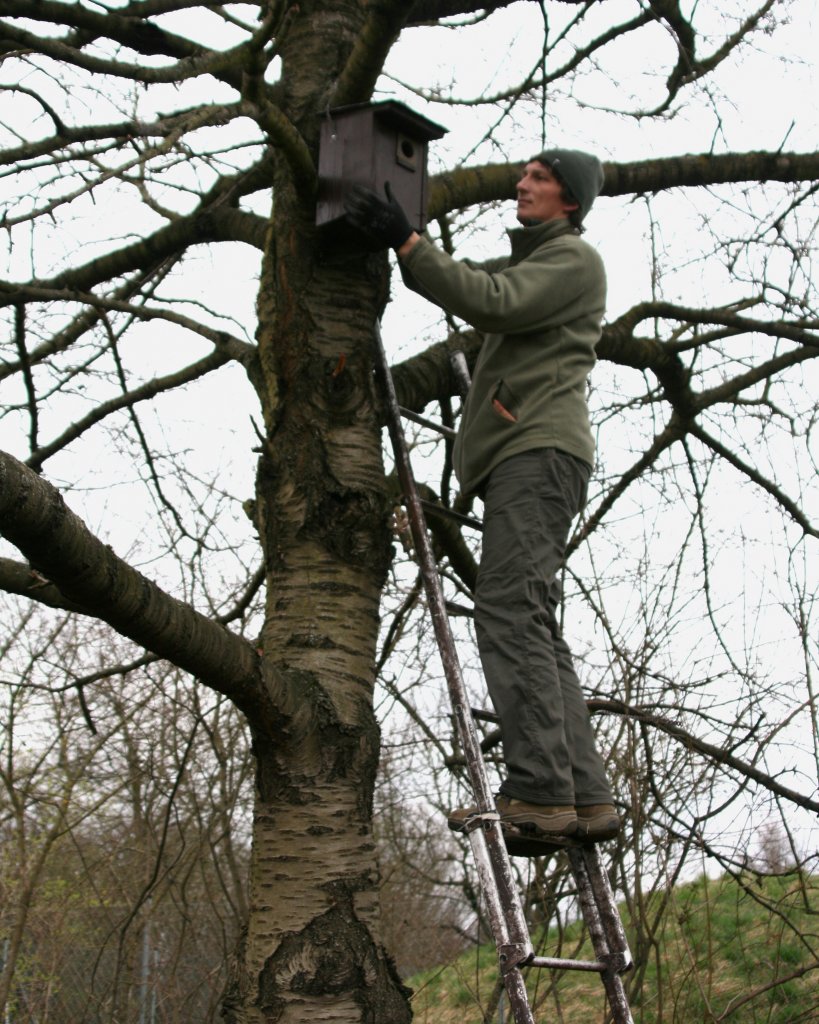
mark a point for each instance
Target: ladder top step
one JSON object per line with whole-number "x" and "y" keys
{"x": 455, "y": 609}
{"x": 416, "y": 417}
{"x": 433, "y": 509}
{"x": 485, "y": 716}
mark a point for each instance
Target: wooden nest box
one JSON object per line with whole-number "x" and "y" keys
{"x": 370, "y": 144}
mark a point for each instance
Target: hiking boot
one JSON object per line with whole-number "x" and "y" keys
{"x": 597, "y": 822}
{"x": 536, "y": 819}
{"x": 540, "y": 819}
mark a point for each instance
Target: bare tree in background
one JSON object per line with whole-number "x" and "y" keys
{"x": 123, "y": 854}
{"x": 151, "y": 147}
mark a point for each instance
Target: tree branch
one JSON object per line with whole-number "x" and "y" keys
{"x": 667, "y": 436}
{"x": 689, "y": 67}
{"x": 493, "y": 182}
{"x": 385, "y": 19}
{"x": 616, "y": 707}
{"x": 20, "y": 578}
{"x": 427, "y": 377}
{"x": 430, "y": 12}
{"x": 204, "y": 226}
{"x": 756, "y": 477}
{"x": 137, "y": 33}
{"x": 150, "y": 389}
{"x": 34, "y": 517}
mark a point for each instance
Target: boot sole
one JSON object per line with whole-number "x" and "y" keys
{"x": 597, "y": 833}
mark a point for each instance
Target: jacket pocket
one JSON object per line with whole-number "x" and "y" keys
{"x": 504, "y": 402}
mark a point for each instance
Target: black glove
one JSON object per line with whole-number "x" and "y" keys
{"x": 384, "y": 223}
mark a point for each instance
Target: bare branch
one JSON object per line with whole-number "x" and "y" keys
{"x": 223, "y": 224}
{"x": 430, "y": 12}
{"x": 20, "y": 578}
{"x": 385, "y": 19}
{"x": 715, "y": 753}
{"x": 34, "y": 517}
{"x": 753, "y": 474}
{"x": 466, "y": 186}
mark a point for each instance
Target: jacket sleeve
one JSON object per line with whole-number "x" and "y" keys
{"x": 491, "y": 266}
{"x": 540, "y": 291}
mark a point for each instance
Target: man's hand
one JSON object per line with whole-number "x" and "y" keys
{"x": 384, "y": 223}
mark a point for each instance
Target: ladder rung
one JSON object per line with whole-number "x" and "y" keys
{"x": 424, "y": 422}
{"x": 485, "y": 716}
{"x": 558, "y": 963}
{"x": 446, "y": 513}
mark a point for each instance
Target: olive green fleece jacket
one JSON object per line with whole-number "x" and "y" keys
{"x": 541, "y": 312}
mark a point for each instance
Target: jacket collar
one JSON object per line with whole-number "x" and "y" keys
{"x": 525, "y": 240}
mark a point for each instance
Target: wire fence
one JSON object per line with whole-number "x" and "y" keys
{"x": 164, "y": 969}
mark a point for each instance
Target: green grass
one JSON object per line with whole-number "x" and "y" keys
{"x": 717, "y": 942}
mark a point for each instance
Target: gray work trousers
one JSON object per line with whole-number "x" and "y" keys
{"x": 548, "y": 743}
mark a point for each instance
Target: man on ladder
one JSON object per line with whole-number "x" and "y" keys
{"x": 525, "y": 447}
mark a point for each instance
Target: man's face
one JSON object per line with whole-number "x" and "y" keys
{"x": 539, "y": 195}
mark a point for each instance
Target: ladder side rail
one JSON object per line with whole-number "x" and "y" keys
{"x": 460, "y": 370}
{"x": 499, "y": 926}
{"x": 612, "y": 982}
{"x": 618, "y": 1001}
{"x": 489, "y": 846}
{"x": 604, "y": 898}
{"x": 504, "y": 889}
{"x": 510, "y": 953}
{"x": 616, "y": 995}
{"x": 515, "y": 989}
{"x": 588, "y": 905}
{"x": 437, "y": 605}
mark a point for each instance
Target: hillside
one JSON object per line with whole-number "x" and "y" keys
{"x": 741, "y": 951}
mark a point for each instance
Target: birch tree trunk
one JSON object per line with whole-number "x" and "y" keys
{"x": 320, "y": 510}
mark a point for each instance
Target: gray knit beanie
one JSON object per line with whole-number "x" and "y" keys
{"x": 581, "y": 172}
